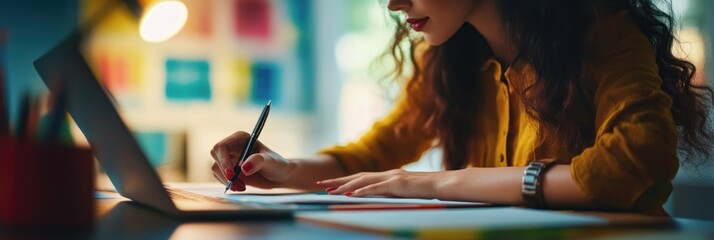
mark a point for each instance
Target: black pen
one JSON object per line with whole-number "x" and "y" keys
{"x": 249, "y": 145}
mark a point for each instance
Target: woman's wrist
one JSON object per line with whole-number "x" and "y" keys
{"x": 306, "y": 171}
{"x": 448, "y": 184}
{"x": 492, "y": 185}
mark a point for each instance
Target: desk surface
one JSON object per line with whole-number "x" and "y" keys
{"x": 121, "y": 219}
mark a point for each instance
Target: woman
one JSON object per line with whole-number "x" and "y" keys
{"x": 575, "y": 104}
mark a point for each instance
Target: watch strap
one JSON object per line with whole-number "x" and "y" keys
{"x": 532, "y": 182}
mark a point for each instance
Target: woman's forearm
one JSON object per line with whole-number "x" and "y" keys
{"x": 561, "y": 190}
{"x": 309, "y": 170}
{"x": 503, "y": 186}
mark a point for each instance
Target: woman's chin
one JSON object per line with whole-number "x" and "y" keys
{"x": 434, "y": 40}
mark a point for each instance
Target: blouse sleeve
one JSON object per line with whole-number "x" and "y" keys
{"x": 633, "y": 159}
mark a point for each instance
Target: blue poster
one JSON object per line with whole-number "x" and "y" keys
{"x": 266, "y": 83}
{"x": 302, "y": 17}
{"x": 188, "y": 80}
{"x": 154, "y": 146}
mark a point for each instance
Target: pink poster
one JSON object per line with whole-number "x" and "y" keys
{"x": 252, "y": 19}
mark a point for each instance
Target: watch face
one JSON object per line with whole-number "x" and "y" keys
{"x": 529, "y": 178}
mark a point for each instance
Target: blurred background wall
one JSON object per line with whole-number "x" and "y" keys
{"x": 694, "y": 185}
{"x": 313, "y": 58}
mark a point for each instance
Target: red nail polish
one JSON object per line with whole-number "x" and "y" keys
{"x": 240, "y": 188}
{"x": 229, "y": 173}
{"x": 234, "y": 188}
{"x": 348, "y": 193}
{"x": 330, "y": 189}
{"x": 247, "y": 167}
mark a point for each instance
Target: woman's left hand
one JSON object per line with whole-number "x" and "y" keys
{"x": 393, "y": 183}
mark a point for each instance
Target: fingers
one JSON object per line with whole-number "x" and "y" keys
{"x": 229, "y": 173}
{"x": 219, "y": 178}
{"x": 221, "y": 156}
{"x": 357, "y": 183}
{"x": 340, "y": 181}
{"x": 224, "y": 156}
{"x": 377, "y": 189}
{"x": 222, "y": 151}
{"x": 391, "y": 183}
{"x": 238, "y": 184}
{"x": 253, "y": 164}
{"x": 217, "y": 173}
{"x": 272, "y": 167}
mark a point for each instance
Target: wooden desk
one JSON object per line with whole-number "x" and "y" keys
{"x": 121, "y": 219}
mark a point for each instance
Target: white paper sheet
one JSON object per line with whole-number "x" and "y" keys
{"x": 287, "y": 196}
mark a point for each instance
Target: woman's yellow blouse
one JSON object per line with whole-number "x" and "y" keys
{"x": 633, "y": 159}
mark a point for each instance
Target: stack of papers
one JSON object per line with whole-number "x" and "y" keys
{"x": 471, "y": 220}
{"x": 465, "y": 222}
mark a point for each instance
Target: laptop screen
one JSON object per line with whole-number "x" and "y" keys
{"x": 90, "y": 106}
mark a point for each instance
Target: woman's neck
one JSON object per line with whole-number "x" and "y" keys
{"x": 487, "y": 21}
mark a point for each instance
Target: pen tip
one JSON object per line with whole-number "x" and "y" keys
{"x": 269, "y": 101}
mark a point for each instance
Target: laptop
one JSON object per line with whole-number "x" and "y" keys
{"x": 118, "y": 152}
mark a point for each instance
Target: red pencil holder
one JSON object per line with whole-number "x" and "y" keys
{"x": 45, "y": 186}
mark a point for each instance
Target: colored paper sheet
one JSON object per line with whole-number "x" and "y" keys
{"x": 266, "y": 83}
{"x": 252, "y": 19}
{"x": 187, "y": 80}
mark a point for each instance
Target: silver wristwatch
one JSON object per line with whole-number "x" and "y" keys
{"x": 532, "y": 181}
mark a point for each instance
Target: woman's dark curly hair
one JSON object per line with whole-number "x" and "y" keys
{"x": 550, "y": 37}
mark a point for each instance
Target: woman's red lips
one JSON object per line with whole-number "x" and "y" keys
{"x": 417, "y": 23}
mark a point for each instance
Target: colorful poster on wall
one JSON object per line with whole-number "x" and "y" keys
{"x": 243, "y": 75}
{"x": 121, "y": 68}
{"x": 252, "y": 19}
{"x": 199, "y": 22}
{"x": 154, "y": 146}
{"x": 302, "y": 17}
{"x": 187, "y": 80}
{"x": 117, "y": 22}
{"x": 266, "y": 82}
{"x": 113, "y": 71}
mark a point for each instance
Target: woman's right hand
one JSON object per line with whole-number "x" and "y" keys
{"x": 263, "y": 168}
